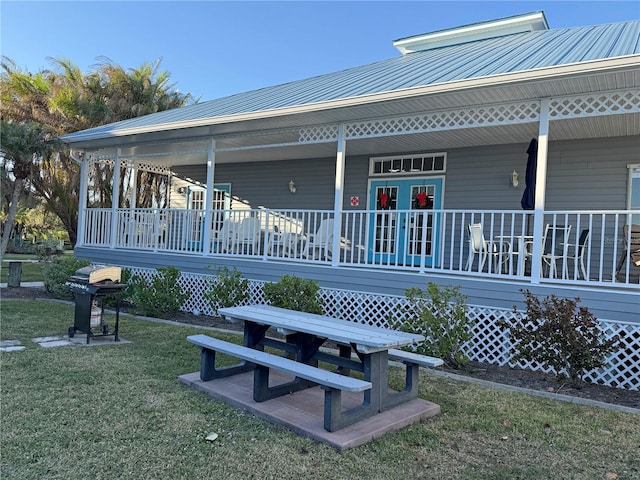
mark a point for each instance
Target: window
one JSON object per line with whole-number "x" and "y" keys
{"x": 196, "y": 198}
{"x": 420, "y": 163}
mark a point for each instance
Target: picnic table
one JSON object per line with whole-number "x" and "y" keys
{"x": 360, "y": 348}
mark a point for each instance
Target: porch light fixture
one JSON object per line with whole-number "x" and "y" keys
{"x": 182, "y": 190}
{"x": 514, "y": 179}
{"x": 292, "y": 187}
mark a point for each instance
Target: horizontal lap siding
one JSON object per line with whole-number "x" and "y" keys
{"x": 266, "y": 184}
{"x": 581, "y": 175}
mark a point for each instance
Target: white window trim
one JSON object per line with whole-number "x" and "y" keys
{"x": 374, "y": 160}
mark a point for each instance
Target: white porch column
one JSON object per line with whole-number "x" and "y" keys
{"x": 541, "y": 188}
{"x": 82, "y": 201}
{"x": 133, "y": 185}
{"x": 208, "y": 209}
{"x": 115, "y": 197}
{"x": 339, "y": 194}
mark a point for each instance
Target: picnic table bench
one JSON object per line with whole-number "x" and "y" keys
{"x": 300, "y": 355}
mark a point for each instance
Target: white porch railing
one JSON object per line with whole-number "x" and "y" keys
{"x": 590, "y": 248}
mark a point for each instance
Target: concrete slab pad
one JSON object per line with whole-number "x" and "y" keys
{"x": 81, "y": 339}
{"x": 303, "y": 412}
{"x": 45, "y": 339}
{"x": 16, "y": 348}
{"x": 54, "y": 343}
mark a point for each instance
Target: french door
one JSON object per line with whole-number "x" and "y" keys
{"x": 404, "y": 228}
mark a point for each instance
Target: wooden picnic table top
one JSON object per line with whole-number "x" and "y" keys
{"x": 366, "y": 338}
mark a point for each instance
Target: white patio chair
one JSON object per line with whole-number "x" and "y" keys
{"x": 247, "y": 236}
{"x": 318, "y": 245}
{"x": 555, "y": 247}
{"x": 223, "y": 239}
{"x": 478, "y": 245}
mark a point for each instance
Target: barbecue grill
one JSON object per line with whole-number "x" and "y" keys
{"x": 91, "y": 286}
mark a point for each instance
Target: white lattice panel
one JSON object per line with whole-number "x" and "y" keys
{"x": 490, "y": 343}
{"x": 322, "y": 133}
{"x": 446, "y": 120}
{"x": 609, "y": 103}
{"x": 147, "y": 167}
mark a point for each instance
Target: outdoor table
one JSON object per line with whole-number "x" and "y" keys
{"x": 521, "y": 253}
{"x": 306, "y": 333}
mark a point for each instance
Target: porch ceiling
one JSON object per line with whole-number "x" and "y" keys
{"x": 251, "y": 137}
{"x": 595, "y": 127}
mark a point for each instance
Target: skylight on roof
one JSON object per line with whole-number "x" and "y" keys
{"x": 478, "y": 31}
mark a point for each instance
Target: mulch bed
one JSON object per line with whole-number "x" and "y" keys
{"x": 493, "y": 373}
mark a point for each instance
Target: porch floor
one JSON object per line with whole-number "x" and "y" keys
{"x": 303, "y": 411}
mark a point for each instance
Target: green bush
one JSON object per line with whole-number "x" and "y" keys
{"x": 440, "y": 315}
{"x": 159, "y": 297}
{"x": 58, "y": 272}
{"x": 227, "y": 290}
{"x": 556, "y": 334}
{"x": 294, "y": 293}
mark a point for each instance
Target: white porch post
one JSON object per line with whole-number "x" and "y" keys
{"x": 208, "y": 209}
{"x": 115, "y": 196}
{"x": 541, "y": 187}
{"x": 133, "y": 185}
{"x": 82, "y": 201}
{"x": 339, "y": 194}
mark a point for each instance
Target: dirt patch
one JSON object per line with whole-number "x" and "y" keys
{"x": 493, "y": 373}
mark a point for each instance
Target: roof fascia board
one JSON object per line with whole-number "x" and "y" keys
{"x": 546, "y": 73}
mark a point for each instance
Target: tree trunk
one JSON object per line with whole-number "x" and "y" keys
{"x": 8, "y": 225}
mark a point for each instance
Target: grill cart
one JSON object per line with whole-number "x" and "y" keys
{"x": 91, "y": 285}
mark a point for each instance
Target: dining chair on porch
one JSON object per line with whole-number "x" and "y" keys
{"x": 500, "y": 252}
{"x": 554, "y": 249}
{"x": 578, "y": 255}
{"x": 631, "y": 253}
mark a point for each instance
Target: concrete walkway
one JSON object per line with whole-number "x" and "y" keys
{"x": 26, "y": 284}
{"x": 61, "y": 341}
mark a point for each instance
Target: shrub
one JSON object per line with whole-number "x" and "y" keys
{"x": 440, "y": 315}
{"x": 159, "y": 297}
{"x": 58, "y": 272}
{"x": 228, "y": 289}
{"x": 294, "y": 293}
{"x": 557, "y": 334}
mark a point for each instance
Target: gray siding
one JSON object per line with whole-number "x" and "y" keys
{"x": 581, "y": 174}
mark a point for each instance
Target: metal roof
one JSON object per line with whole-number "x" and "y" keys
{"x": 481, "y": 59}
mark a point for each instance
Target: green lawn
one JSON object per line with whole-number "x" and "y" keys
{"x": 118, "y": 411}
{"x": 31, "y": 272}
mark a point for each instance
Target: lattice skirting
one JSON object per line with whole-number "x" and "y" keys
{"x": 489, "y": 344}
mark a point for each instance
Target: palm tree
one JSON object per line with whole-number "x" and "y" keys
{"x": 65, "y": 100}
{"x": 21, "y": 144}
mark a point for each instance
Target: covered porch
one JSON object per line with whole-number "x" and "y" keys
{"x": 448, "y": 211}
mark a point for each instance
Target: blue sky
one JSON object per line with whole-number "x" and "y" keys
{"x": 215, "y": 48}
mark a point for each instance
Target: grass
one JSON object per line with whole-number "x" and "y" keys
{"x": 31, "y": 271}
{"x": 119, "y": 412}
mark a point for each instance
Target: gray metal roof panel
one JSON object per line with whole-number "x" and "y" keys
{"x": 483, "y": 58}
